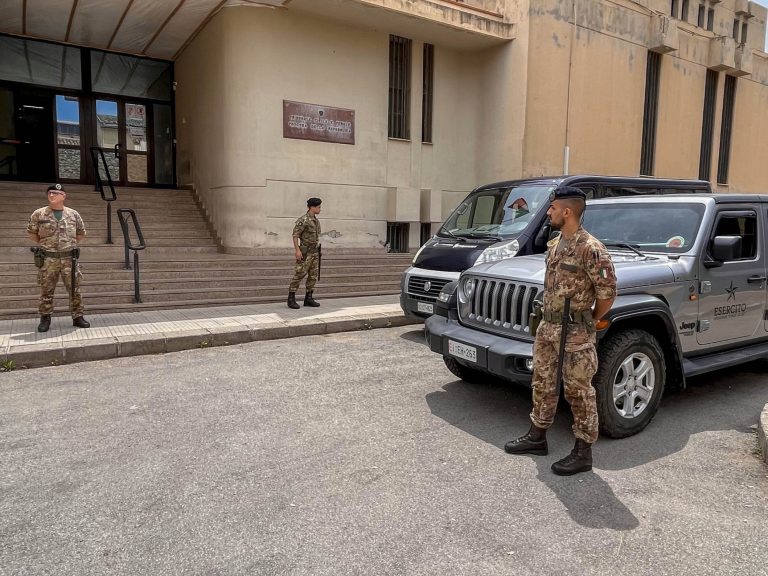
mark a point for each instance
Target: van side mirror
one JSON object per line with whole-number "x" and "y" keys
{"x": 725, "y": 248}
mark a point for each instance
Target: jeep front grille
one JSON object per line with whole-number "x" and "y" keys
{"x": 499, "y": 305}
{"x": 424, "y": 288}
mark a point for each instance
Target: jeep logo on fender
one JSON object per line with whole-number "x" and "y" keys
{"x": 684, "y": 326}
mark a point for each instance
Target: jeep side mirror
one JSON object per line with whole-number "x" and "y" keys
{"x": 726, "y": 248}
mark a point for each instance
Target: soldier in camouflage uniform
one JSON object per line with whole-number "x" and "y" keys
{"x": 580, "y": 268}
{"x": 57, "y": 230}
{"x": 306, "y": 244}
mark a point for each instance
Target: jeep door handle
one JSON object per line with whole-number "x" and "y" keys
{"x": 756, "y": 278}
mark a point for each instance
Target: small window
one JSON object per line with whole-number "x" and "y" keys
{"x": 744, "y": 28}
{"x": 673, "y": 9}
{"x": 744, "y": 226}
{"x": 684, "y": 11}
{"x": 700, "y": 17}
{"x": 397, "y": 236}
{"x": 736, "y": 29}
{"x": 426, "y": 232}
{"x": 710, "y": 19}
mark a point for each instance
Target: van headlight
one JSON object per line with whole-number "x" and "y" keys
{"x": 499, "y": 252}
{"x": 418, "y": 252}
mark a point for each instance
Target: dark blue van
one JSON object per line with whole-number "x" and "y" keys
{"x": 507, "y": 219}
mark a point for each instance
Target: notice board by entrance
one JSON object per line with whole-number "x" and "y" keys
{"x": 320, "y": 123}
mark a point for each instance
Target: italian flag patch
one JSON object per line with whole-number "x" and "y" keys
{"x": 603, "y": 273}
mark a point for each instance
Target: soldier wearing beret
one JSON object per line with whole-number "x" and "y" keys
{"x": 579, "y": 268}
{"x": 306, "y": 244}
{"x": 57, "y": 230}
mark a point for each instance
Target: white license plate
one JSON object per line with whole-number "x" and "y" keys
{"x": 426, "y": 308}
{"x": 462, "y": 351}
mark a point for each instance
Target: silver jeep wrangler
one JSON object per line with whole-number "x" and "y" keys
{"x": 691, "y": 298}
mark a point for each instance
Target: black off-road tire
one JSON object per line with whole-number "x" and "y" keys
{"x": 613, "y": 351}
{"x": 466, "y": 374}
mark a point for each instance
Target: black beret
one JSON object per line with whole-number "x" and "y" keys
{"x": 312, "y": 202}
{"x": 567, "y": 192}
{"x": 54, "y": 187}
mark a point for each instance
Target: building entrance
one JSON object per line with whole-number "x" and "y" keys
{"x": 50, "y": 122}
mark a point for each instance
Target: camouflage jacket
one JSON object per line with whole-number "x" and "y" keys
{"x": 307, "y": 229}
{"x": 56, "y": 235}
{"x": 583, "y": 271}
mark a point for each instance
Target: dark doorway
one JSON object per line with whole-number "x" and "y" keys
{"x": 34, "y": 133}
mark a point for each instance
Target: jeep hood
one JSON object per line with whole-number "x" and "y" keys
{"x": 631, "y": 270}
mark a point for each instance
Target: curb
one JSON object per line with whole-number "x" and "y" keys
{"x": 762, "y": 433}
{"x": 53, "y": 354}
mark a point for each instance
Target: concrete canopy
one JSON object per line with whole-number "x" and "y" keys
{"x": 153, "y": 28}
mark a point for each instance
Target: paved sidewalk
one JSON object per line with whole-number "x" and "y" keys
{"x": 158, "y": 331}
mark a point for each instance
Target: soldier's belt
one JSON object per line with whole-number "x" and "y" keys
{"x": 67, "y": 254}
{"x": 575, "y": 317}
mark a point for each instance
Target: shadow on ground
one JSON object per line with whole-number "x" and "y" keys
{"x": 497, "y": 412}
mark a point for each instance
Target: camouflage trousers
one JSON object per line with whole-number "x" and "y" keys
{"x": 579, "y": 366}
{"x": 309, "y": 267}
{"x": 48, "y": 277}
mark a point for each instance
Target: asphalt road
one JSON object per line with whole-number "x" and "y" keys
{"x": 359, "y": 453}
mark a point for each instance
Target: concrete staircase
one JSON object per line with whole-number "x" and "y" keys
{"x": 181, "y": 266}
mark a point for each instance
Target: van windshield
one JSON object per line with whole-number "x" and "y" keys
{"x": 664, "y": 227}
{"x": 496, "y": 212}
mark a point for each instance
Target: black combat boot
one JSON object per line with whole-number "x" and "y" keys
{"x": 309, "y": 301}
{"x": 292, "y": 301}
{"x": 579, "y": 460}
{"x": 534, "y": 442}
{"x": 45, "y": 323}
{"x": 81, "y": 322}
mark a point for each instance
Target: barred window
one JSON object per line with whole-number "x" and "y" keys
{"x": 707, "y": 125}
{"x": 427, "y": 95}
{"x": 650, "y": 113}
{"x": 399, "y": 87}
{"x": 729, "y": 96}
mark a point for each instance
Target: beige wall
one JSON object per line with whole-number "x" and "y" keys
{"x": 254, "y": 183}
{"x": 501, "y": 110}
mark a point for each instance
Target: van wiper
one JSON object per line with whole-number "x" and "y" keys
{"x": 451, "y": 234}
{"x": 620, "y": 244}
{"x": 483, "y": 235}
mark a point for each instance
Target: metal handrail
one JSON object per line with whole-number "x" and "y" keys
{"x": 121, "y": 212}
{"x": 96, "y": 154}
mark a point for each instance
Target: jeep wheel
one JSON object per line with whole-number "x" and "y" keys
{"x": 467, "y": 374}
{"x": 629, "y": 381}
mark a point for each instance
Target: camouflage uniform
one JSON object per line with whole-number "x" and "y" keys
{"x": 307, "y": 229}
{"x": 582, "y": 270}
{"x": 57, "y": 236}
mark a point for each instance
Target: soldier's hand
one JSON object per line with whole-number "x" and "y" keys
{"x": 299, "y": 257}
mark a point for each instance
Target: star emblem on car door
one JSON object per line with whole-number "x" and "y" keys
{"x": 731, "y": 292}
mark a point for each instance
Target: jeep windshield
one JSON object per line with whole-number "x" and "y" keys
{"x": 667, "y": 228}
{"x": 496, "y": 212}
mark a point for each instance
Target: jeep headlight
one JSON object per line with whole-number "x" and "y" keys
{"x": 499, "y": 252}
{"x": 466, "y": 288}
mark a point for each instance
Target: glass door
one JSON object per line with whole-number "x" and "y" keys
{"x": 69, "y": 155}
{"x": 137, "y": 154}
{"x": 108, "y": 138}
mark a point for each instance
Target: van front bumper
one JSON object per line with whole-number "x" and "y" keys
{"x": 506, "y": 358}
